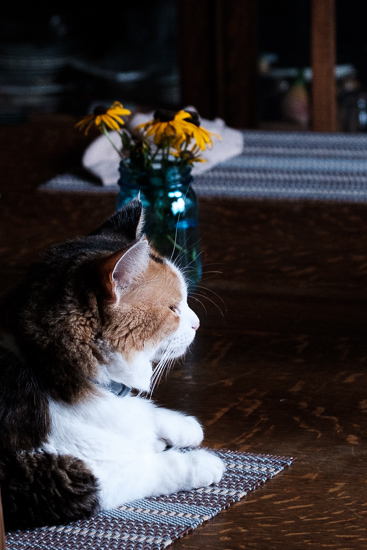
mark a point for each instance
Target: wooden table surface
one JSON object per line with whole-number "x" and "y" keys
{"x": 279, "y": 363}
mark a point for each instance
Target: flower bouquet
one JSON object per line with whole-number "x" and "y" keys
{"x": 156, "y": 162}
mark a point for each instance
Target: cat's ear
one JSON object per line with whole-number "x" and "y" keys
{"x": 119, "y": 270}
{"x": 128, "y": 221}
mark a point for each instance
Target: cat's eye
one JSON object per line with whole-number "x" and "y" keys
{"x": 175, "y": 309}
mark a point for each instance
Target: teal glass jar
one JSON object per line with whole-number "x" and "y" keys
{"x": 171, "y": 213}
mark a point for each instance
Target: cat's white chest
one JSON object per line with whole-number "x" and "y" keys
{"x": 103, "y": 428}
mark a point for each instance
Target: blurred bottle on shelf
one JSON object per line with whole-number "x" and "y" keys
{"x": 296, "y": 103}
{"x": 353, "y": 107}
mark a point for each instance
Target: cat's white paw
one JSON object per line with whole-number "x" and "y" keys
{"x": 205, "y": 468}
{"x": 189, "y": 433}
{"x": 179, "y": 430}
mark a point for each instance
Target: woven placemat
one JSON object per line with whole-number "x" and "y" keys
{"x": 273, "y": 165}
{"x": 155, "y": 523}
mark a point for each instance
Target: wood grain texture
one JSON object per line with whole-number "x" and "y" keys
{"x": 323, "y": 49}
{"x": 279, "y": 363}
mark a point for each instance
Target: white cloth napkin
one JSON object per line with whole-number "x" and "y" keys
{"x": 101, "y": 159}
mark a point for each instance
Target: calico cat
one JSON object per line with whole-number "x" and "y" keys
{"x": 94, "y": 315}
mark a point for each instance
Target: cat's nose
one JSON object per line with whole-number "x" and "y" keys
{"x": 195, "y": 323}
{"x": 193, "y": 319}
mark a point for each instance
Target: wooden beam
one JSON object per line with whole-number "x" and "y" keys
{"x": 323, "y": 50}
{"x": 239, "y": 76}
{"x": 197, "y": 59}
{"x": 218, "y": 59}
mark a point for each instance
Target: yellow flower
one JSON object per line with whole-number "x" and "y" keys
{"x": 200, "y": 135}
{"x": 166, "y": 125}
{"x": 104, "y": 118}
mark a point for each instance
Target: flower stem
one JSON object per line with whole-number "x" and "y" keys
{"x": 106, "y": 133}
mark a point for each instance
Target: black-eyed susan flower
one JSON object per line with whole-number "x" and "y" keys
{"x": 166, "y": 125}
{"x": 104, "y": 118}
{"x": 200, "y": 135}
{"x": 178, "y": 136}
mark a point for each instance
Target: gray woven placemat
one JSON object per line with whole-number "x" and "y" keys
{"x": 155, "y": 523}
{"x": 274, "y": 165}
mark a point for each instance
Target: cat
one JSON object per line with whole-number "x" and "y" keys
{"x": 88, "y": 322}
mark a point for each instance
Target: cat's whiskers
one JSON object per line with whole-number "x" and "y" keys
{"x": 200, "y": 291}
{"x": 212, "y": 302}
{"x": 193, "y": 260}
{"x": 211, "y": 273}
{"x": 176, "y": 260}
{"x": 204, "y": 288}
{"x": 204, "y": 277}
{"x": 163, "y": 367}
{"x": 174, "y": 242}
{"x": 200, "y": 302}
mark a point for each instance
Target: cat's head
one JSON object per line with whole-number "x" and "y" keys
{"x": 144, "y": 299}
{"x": 104, "y": 307}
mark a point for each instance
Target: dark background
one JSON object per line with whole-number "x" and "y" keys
{"x": 65, "y": 56}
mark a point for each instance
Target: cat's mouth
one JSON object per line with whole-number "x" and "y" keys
{"x": 165, "y": 357}
{"x": 173, "y": 348}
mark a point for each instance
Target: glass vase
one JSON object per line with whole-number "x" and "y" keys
{"x": 171, "y": 213}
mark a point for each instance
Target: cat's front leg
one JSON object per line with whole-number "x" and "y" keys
{"x": 156, "y": 474}
{"x": 177, "y": 429}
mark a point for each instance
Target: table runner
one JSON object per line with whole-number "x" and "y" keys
{"x": 155, "y": 523}
{"x": 274, "y": 165}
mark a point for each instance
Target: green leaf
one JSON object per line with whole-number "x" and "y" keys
{"x": 126, "y": 140}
